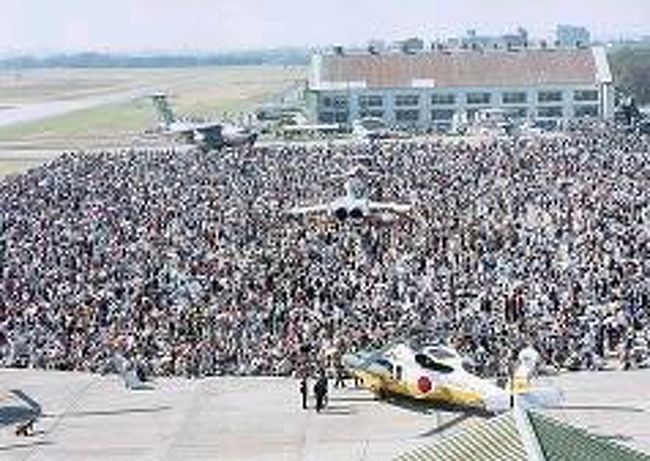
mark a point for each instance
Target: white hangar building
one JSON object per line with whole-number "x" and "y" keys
{"x": 426, "y": 90}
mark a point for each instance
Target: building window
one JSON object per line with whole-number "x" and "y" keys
{"x": 517, "y": 112}
{"x": 514, "y": 97}
{"x": 549, "y": 96}
{"x": 326, "y": 117}
{"x": 340, "y": 102}
{"x": 478, "y": 98}
{"x": 333, "y": 117}
{"x": 335, "y": 102}
{"x": 585, "y": 95}
{"x": 443, "y": 98}
{"x": 586, "y": 111}
{"x": 371, "y": 113}
{"x": 341, "y": 117}
{"x": 548, "y": 125}
{"x": 407, "y": 100}
{"x": 442, "y": 114}
{"x": 549, "y": 112}
{"x": 407, "y": 115}
{"x": 370, "y": 100}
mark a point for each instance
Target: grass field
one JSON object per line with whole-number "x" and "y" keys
{"x": 30, "y": 86}
{"x": 218, "y": 92}
{"x": 8, "y": 167}
{"x": 37, "y": 85}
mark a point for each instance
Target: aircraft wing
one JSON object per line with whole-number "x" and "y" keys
{"x": 302, "y": 210}
{"x": 185, "y": 128}
{"x": 201, "y": 127}
{"x": 389, "y": 206}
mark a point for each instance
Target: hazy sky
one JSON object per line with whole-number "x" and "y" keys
{"x": 211, "y": 25}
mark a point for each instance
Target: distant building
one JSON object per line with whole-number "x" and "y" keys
{"x": 410, "y": 45}
{"x": 429, "y": 89}
{"x": 473, "y": 41}
{"x": 572, "y": 36}
{"x": 376, "y": 46}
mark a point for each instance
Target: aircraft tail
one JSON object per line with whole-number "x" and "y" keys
{"x": 165, "y": 114}
{"x": 535, "y": 397}
{"x": 540, "y": 397}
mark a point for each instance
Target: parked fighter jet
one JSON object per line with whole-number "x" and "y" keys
{"x": 354, "y": 204}
{"x": 208, "y": 135}
{"x": 436, "y": 374}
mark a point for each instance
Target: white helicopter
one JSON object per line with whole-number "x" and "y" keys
{"x": 435, "y": 374}
{"x": 354, "y": 204}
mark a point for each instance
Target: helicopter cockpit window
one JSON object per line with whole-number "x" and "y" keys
{"x": 385, "y": 364}
{"x": 427, "y": 362}
{"x": 440, "y": 354}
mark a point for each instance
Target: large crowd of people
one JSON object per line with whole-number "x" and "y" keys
{"x": 188, "y": 263}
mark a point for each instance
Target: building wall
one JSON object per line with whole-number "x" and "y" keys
{"x": 347, "y": 94}
{"x": 569, "y": 107}
{"x": 567, "y": 35}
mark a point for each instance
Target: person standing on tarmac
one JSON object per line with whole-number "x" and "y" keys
{"x": 340, "y": 376}
{"x": 320, "y": 391}
{"x": 304, "y": 392}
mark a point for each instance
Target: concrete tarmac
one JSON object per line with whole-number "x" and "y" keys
{"x": 42, "y": 110}
{"x": 95, "y": 417}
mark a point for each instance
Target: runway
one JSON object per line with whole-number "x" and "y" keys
{"x": 94, "y": 417}
{"x": 38, "y": 111}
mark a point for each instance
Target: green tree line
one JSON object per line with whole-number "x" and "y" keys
{"x": 631, "y": 70}
{"x": 106, "y": 60}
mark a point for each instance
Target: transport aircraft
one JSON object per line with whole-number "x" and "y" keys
{"x": 207, "y": 135}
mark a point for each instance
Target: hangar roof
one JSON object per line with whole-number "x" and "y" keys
{"x": 439, "y": 69}
{"x": 521, "y": 435}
